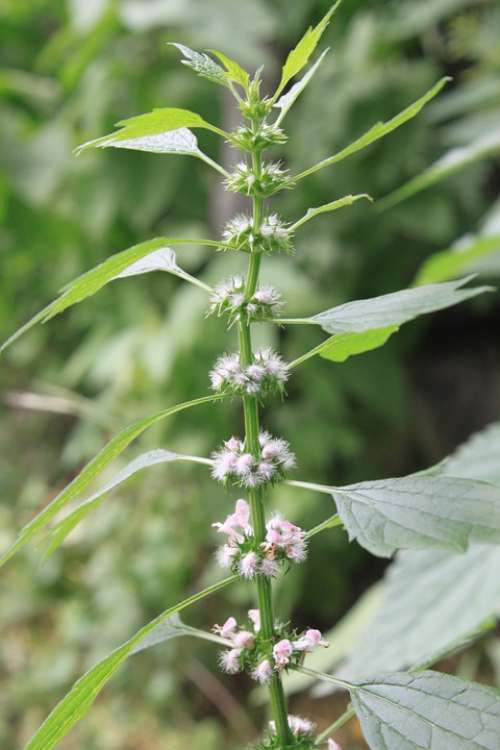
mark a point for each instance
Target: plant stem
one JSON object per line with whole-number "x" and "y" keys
{"x": 337, "y": 724}
{"x": 256, "y": 498}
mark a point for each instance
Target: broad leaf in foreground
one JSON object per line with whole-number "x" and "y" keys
{"x": 66, "y": 525}
{"x": 147, "y": 256}
{"x": 463, "y": 258}
{"x": 478, "y": 458}
{"x": 427, "y": 711}
{"x": 287, "y": 100}
{"x": 79, "y": 700}
{"x": 300, "y": 54}
{"x": 112, "y": 450}
{"x": 344, "y": 345}
{"x": 416, "y": 512}
{"x": 377, "y": 131}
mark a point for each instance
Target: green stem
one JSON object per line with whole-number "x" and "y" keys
{"x": 337, "y": 724}
{"x": 256, "y": 496}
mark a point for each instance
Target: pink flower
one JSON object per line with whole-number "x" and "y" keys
{"x": 332, "y": 745}
{"x": 243, "y": 464}
{"x": 249, "y": 564}
{"x": 230, "y": 661}
{"x": 263, "y": 672}
{"x": 310, "y": 640}
{"x": 297, "y": 724}
{"x": 254, "y": 617}
{"x": 225, "y": 555}
{"x": 269, "y": 567}
{"x": 236, "y": 522}
{"x": 243, "y": 639}
{"x": 227, "y": 630}
{"x": 282, "y": 652}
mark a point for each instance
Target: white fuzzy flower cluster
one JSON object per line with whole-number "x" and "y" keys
{"x": 284, "y": 542}
{"x": 298, "y": 726}
{"x": 272, "y": 178}
{"x": 243, "y": 640}
{"x": 233, "y": 463}
{"x": 228, "y": 297}
{"x": 273, "y": 235}
{"x": 266, "y": 375}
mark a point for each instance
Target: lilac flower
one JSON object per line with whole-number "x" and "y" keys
{"x": 225, "y": 555}
{"x": 269, "y": 568}
{"x": 282, "y": 651}
{"x": 243, "y": 639}
{"x": 310, "y": 640}
{"x": 230, "y": 661}
{"x": 249, "y": 565}
{"x": 283, "y": 536}
{"x": 263, "y": 672}
{"x": 297, "y": 724}
{"x": 229, "y": 297}
{"x": 254, "y": 617}
{"x": 232, "y": 462}
{"x": 332, "y": 745}
{"x": 226, "y": 630}
{"x": 267, "y": 374}
{"x": 237, "y": 525}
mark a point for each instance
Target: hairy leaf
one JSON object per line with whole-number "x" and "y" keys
{"x": 344, "y": 345}
{"x": 112, "y": 450}
{"x": 234, "y": 71}
{"x": 202, "y": 64}
{"x": 347, "y": 200}
{"x": 478, "y": 458}
{"x": 377, "y": 131}
{"x": 66, "y": 525}
{"x": 394, "y": 309}
{"x": 286, "y": 101}
{"x": 419, "y": 511}
{"x": 151, "y": 124}
{"x": 151, "y": 255}
{"x": 427, "y": 711}
{"x": 448, "y": 264}
{"x": 79, "y": 700}
{"x": 453, "y": 161}
{"x": 300, "y": 54}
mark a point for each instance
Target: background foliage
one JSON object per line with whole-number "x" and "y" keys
{"x": 69, "y": 70}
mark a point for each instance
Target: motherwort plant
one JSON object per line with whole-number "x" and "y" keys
{"x": 430, "y": 509}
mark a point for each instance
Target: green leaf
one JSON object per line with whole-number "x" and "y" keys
{"x": 79, "y": 700}
{"x": 155, "y": 123}
{"x": 299, "y": 56}
{"x": 453, "y": 161}
{"x": 347, "y": 200}
{"x": 394, "y": 309}
{"x": 161, "y": 257}
{"x": 422, "y": 587}
{"x": 427, "y": 711}
{"x": 448, "y": 264}
{"x": 234, "y": 71}
{"x": 202, "y": 64}
{"x": 286, "y": 101}
{"x": 66, "y": 525}
{"x": 341, "y": 347}
{"x": 112, "y": 450}
{"x": 478, "y": 458}
{"x": 379, "y": 130}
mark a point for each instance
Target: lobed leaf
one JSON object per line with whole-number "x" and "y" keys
{"x": 453, "y": 161}
{"x": 378, "y": 131}
{"x": 150, "y": 255}
{"x": 427, "y": 711}
{"x": 448, "y": 264}
{"x": 286, "y": 101}
{"x": 300, "y": 54}
{"x": 112, "y": 450}
{"x": 202, "y": 64}
{"x": 79, "y": 700}
{"x": 234, "y": 71}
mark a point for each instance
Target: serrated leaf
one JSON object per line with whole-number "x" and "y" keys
{"x": 339, "y": 348}
{"x": 427, "y": 711}
{"x": 79, "y": 700}
{"x": 347, "y": 200}
{"x": 286, "y": 101}
{"x": 153, "y": 124}
{"x": 478, "y": 458}
{"x": 234, "y": 71}
{"x": 378, "y": 131}
{"x": 114, "y": 267}
{"x": 66, "y": 525}
{"x": 454, "y": 161}
{"x": 394, "y": 309}
{"x": 300, "y": 54}
{"x": 181, "y": 141}
{"x": 112, "y": 450}
{"x": 202, "y": 64}
{"x": 448, "y": 264}
{"x": 419, "y": 511}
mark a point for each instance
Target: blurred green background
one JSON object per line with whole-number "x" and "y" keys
{"x": 69, "y": 69}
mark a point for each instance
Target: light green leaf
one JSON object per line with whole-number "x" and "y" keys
{"x": 457, "y": 260}
{"x": 66, "y": 525}
{"x": 79, "y": 700}
{"x": 394, "y": 309}
{"x": 299, "y": 56}
{"x": 151, "y": 124}
{"x": 416, "y": 512}
{"x": 379, "y": 130}
{"x": 234, "y": 71}
{"x": 427, "y": 711}
{"x": 202, "y": 64}
{"x": 478, "y": 458}
{"x": 286, "y": 101}
{"x": 344, "y": 345}
{"x": 453, "y": 161}
{"x": 112, "y": 450}
{"x": 347, "y": 200}
{"x": 161, "y": 257}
